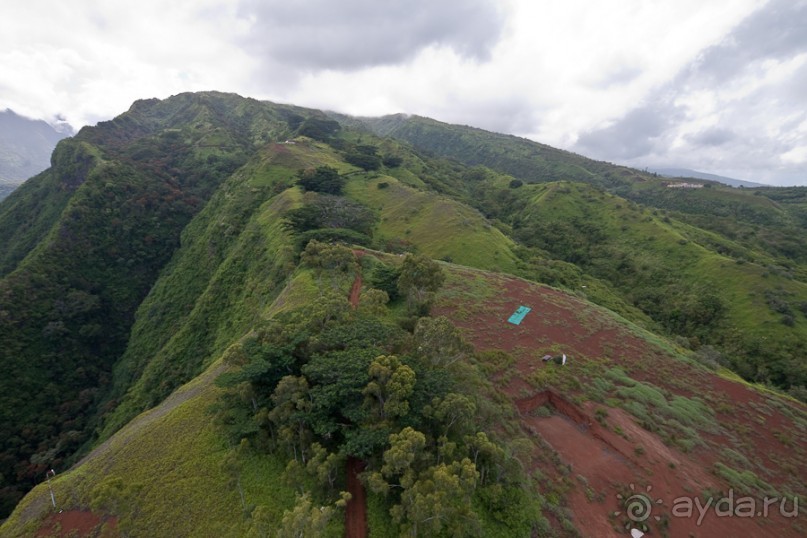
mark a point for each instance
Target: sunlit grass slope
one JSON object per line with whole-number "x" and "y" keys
{"x": 436, "y": 225}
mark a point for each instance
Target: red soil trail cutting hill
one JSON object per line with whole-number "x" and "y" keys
{"x": 78, "y": 524}
{"x": 600, "y": 460}
{"x": 355, "y": 291}
{"x": 356, "y": 509}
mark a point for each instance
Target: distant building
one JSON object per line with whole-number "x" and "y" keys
{"x": 685, "y": 185}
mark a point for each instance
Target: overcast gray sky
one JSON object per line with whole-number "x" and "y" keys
{"x": 713, "y": 85}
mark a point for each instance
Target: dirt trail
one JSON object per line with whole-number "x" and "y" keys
{"x": 78, "y": 524}
{"x": 355, "y": 291}
{"x": 356, "y": 510}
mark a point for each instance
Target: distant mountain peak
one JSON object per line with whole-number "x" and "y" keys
{"x": 694, "y": 174}
{"x": 26, "y": 145}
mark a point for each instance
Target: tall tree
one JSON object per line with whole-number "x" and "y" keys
{"x": 420, "y": 278}
{"x": 391, "y": 384}
{"x": 440, "y": 341}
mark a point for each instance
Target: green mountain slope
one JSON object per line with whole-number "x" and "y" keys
{"x": 201, "y": 233}
{"x": 113, "y": 207}
{"x": 512, "y": 155}
{"x": 693, "y": 283}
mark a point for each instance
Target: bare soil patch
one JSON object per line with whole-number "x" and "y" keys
{"x": 603, "y": 460}
{"x": 356, "y": 509}
{"x": 78, "y": 524}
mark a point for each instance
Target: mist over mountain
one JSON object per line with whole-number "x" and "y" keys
{"x": 294, "y": 321}
{"x": 25, "y": 148}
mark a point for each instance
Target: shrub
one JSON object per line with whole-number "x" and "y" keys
{"x": 364, "y": 160}
{"x": 319, "y": 128}
{"x": 392, "y": 161}
{"x": 385, "y": 278}
{"x": 321, "y": 179}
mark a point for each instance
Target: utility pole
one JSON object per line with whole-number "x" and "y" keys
{"x": 48, "y": 475}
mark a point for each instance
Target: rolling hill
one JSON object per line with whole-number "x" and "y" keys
{"x": 296, "y": 322}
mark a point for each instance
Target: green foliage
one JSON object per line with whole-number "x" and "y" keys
{"x": 385, "y": 277}
{"x": 198, "y": 309}
{"x": 323, "y": 179}
{"x": 392, "y": 161}
{"x": 677, "y": 418}
{"x": 391, "y": 383}
{"x": 118, "y": 197}
{"x": 323, "y": 257}
{"x": 169, "y": 237}
{"x": 327, "y": 211}
{"x": 420, "y": 278}
{"x": 440, "y": 341}
{"x": 438, "y": 502}
{"x": 745, "y": 482}
{"x": 319, "y": 128}
{"x": 304, "y": 519}
{"x": 365, "y": 157}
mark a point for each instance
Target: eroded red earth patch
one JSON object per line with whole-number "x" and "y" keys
{"x": 603, "y": 461}
{"x": 78, "y": 524}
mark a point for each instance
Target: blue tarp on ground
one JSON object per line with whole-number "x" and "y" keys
{"x": 519, "y": 314}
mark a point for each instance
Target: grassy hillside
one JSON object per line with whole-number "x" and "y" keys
{"x": 174, "y": 451}
{"x": 190, "y": 443}
{"x": 187, "y": 449}
{"x": 437, "y": 225}
{"x": 207, "y": 232}
{"x": 85, "y": 242}
{"x": 693, "y": 283}
{"x": 512, "y": 155}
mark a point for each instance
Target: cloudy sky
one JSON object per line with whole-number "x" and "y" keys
{"x": 713, "y": 85}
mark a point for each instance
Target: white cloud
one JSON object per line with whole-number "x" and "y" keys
{"x": 717, "y": 85}
{"x": 89, "y": 60}
{"x": 796, "y": 155}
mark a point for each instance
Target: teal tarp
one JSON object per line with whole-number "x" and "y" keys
{"x": 519, "y": 314}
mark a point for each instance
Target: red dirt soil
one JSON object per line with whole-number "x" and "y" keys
{"x": 355, "y": 292}
{"x": 78, "y": 524}
{"x": 356, "y": 509}
{"x": 599, "y": 462}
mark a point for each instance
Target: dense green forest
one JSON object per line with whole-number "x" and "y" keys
{"x": 212, "y": 231}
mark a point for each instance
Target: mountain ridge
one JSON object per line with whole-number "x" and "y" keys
{"x": 687, "y": 173}
{"x": 174, "y": 237}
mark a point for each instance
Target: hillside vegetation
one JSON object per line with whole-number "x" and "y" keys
{"x": 210, "y": 237}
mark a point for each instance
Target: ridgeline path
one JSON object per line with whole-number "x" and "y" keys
{"x": 356, "y": 509}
